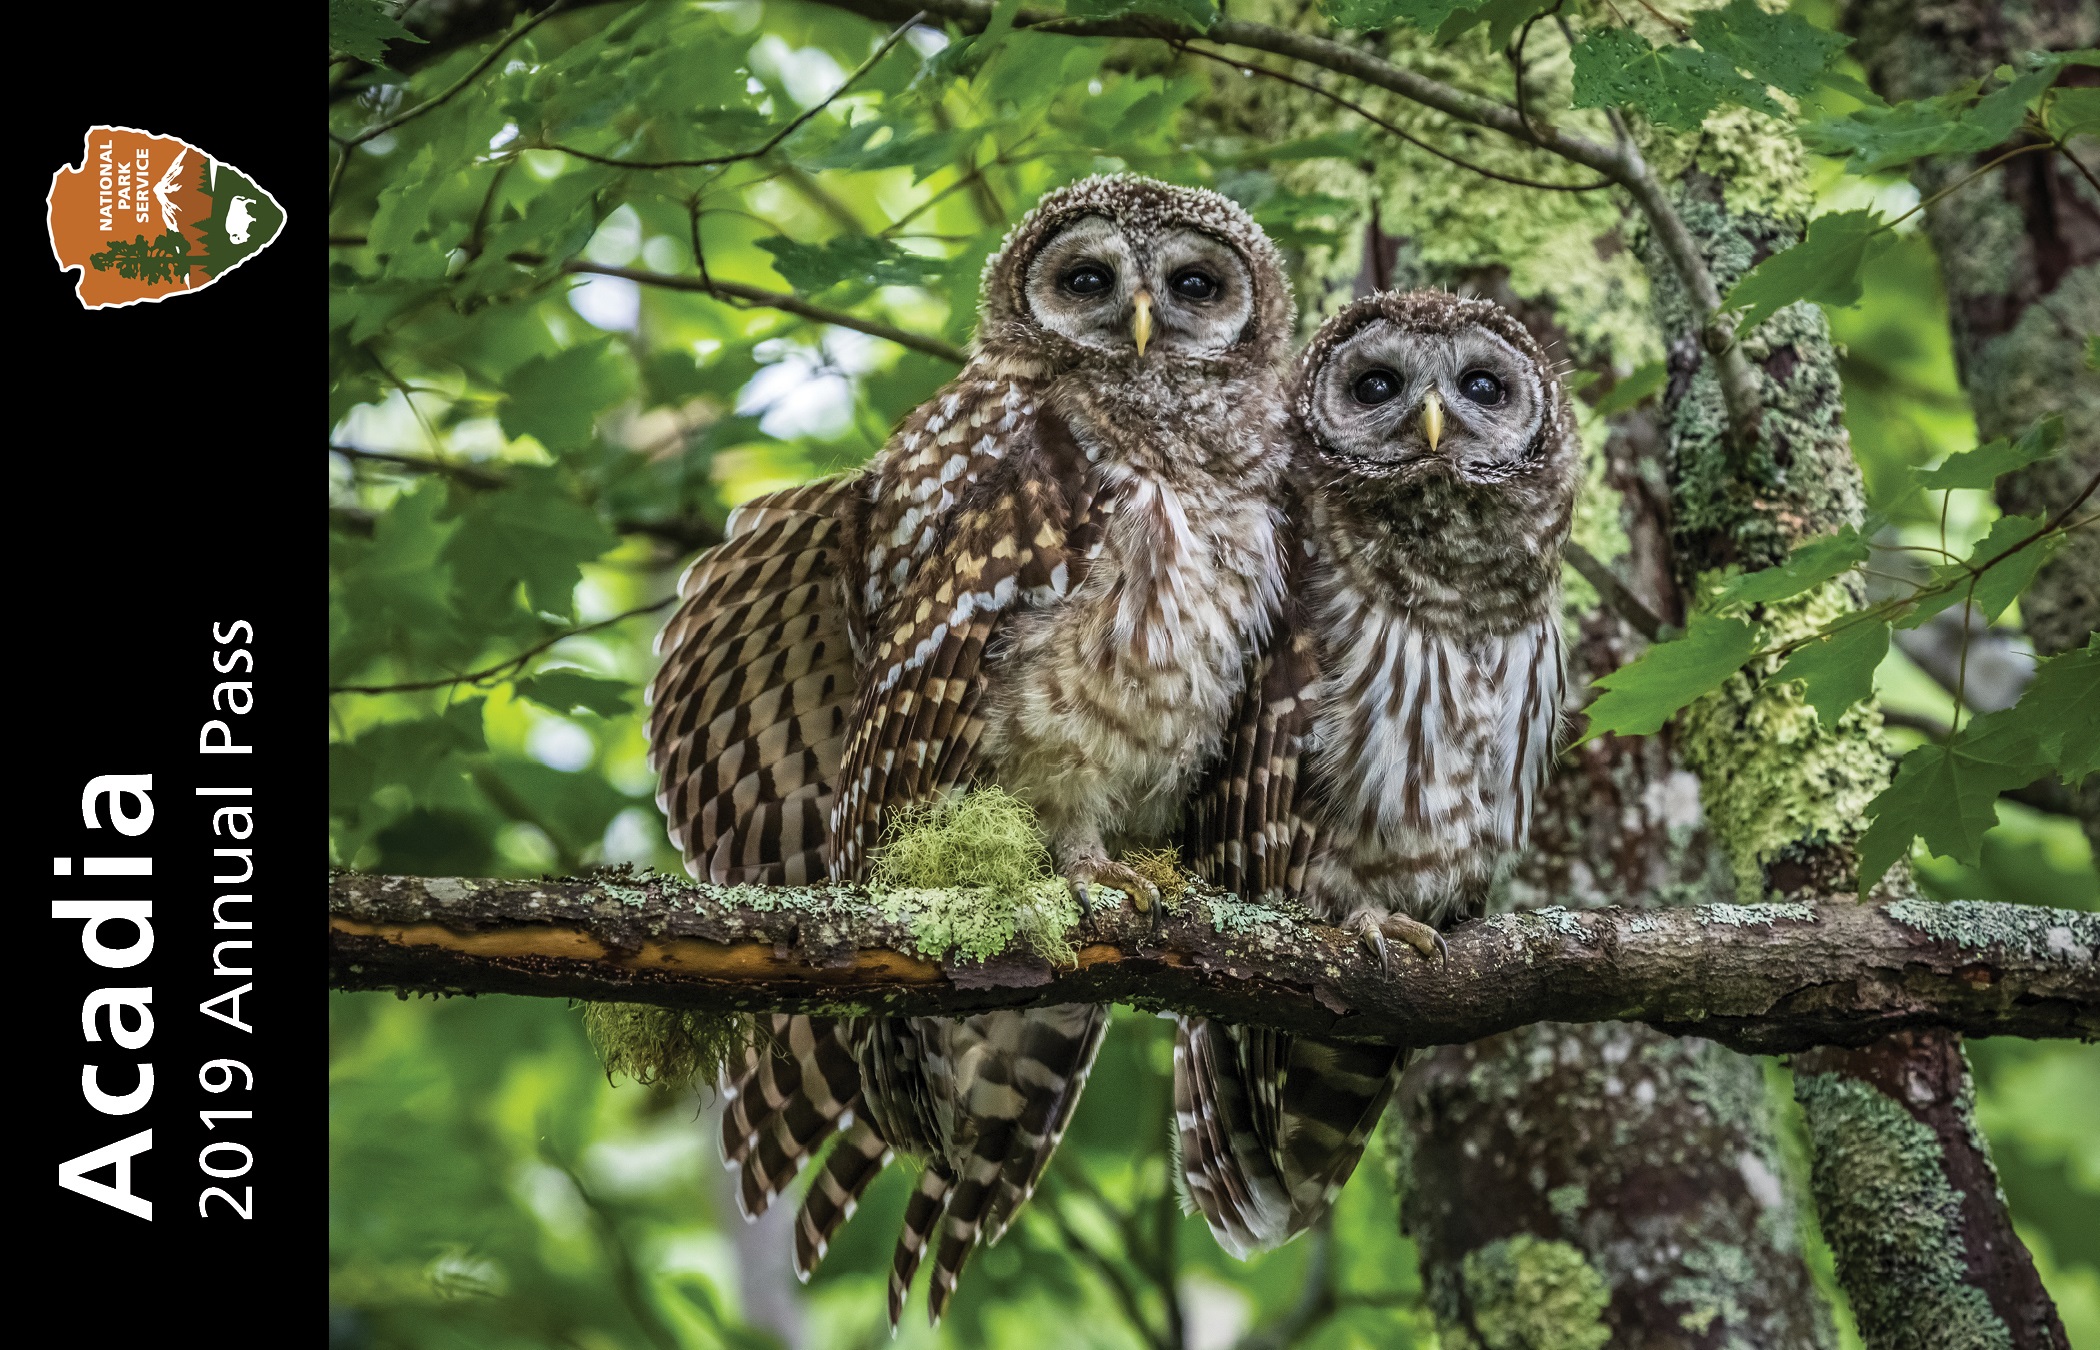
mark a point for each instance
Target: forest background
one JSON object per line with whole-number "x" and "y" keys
{"x": 600, "y": 273}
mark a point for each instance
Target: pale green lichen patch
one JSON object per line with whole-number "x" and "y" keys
{"x": 626, "y": 895}
{"x": 1532, "y": 1293}
{"x": 1263, "y": 919}
{"x": 2038, "y": 934}
{"x": 1754, "y": 916}
{"x": 1892, "y": 1219}
{"x": 969, "y": 875}
{"x": 1775, "y": 779}
{"x": 1705, "y": 1288}
{"x": 1568, "y": 1201}
{"x": 672, "y": 1047}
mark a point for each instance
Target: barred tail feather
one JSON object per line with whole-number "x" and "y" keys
{"x": 1228, "y": 1169}
{"x": 857, "y": 1160}
{"x": 921, "y": 1213}
{"x": 1271, "y": 1125}
{"x": 1332, "y": 1095}
{"x": 1030, "y": 1079}
{"x": 793, "y": 1089}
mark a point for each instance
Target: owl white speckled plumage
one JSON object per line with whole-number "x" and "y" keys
{"x": 1049, "y": 579}
{"x": 1408, "y": 721}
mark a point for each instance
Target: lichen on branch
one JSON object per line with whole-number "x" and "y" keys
{"x": 1761, "y": 977}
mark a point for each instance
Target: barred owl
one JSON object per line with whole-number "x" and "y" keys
{"x": 1404, "y": 720}
{"x": 1047, "y": 580}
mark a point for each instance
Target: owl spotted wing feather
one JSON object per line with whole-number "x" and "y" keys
{"x": 1017, "y": 532}
{"x": 1269, "y": 1124}
{"x": 748, "y": 713}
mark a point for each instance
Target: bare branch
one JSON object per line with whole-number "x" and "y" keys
{"x": 1613, "y": 592}
{"x": 771, "y": 143}
{"x": 736, "y": 292}
{"x": 503, "y": 670}
{"x": 1764, "y": 978}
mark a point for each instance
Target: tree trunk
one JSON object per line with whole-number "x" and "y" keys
{"x": 2019, "y": 249}
{"x": 1785, "y": 791}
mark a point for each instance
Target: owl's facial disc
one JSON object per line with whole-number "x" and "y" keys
{"x": 1466, "y": 404}
{"x": 1177, "y": 294}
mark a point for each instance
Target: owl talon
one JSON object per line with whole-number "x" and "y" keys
{"x": 1373, "y": 930}
{"x": 1418, "y": 935}
{"x": 1081, "y": 875}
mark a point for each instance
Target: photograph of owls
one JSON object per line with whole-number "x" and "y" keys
{"x": 1401, "y": 724}
{"x": 1049, "y": 580}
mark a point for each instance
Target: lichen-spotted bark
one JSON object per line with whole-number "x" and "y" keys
{"x": 1652, "y": 1160}
{"x": 1650, "y": 1254}
{"x": 2019, "y": 249}
{"x": 1911, "y": 1204}
{"x": 1785, "y": 791}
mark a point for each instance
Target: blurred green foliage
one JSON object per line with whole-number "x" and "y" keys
{"x": 538, "y": 412}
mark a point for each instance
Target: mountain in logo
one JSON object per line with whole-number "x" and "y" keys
{"x": 145, "y": 217}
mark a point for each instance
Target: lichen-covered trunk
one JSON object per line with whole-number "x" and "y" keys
{"x": 1566, "y": 1186}
{"x": 1602, "y": 1185}
{"x": 1784, "y": 792}
{"x": 2019, "y": 249}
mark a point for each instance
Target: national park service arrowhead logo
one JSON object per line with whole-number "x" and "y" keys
{"x": 145, "y": 217}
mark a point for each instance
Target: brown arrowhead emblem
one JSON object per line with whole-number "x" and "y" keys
{"x": 145, "y": 217}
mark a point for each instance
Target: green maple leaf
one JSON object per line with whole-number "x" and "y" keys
{"x": 1825, "y": 267}
{"x": 1619, "y": 67}
{"x": 2052, "y": 726}
{"x": 556, "y": 399}
{"x": 1782, "y": 50}
{"x": 1981, "y": 467}
{"x": 530, "y": 532}
{"x": 1837, "y": 669}
{"x": 1993, "y": 575}
{"x": 564, "y": 691}
{"x": 1643, "y": 694}
{"x": 362, "y": 28}
{"x": 1808, "y": 567}
{"x": 1946, "y": 794}
{"x": 860, "y": 257}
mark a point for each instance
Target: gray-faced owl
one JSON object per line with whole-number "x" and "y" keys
{"x": 1403, "y": 721}
{"x": 1048, "y": 580}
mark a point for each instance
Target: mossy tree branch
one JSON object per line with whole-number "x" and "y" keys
{"x": 1758, "y": 978}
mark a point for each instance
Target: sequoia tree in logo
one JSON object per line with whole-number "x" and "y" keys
{"x": 145, "y": 217}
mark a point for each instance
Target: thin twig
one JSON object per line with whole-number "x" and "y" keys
{"x": 503, "y": 669}
{"x": 1389, "y": 127}
{"x": 772, "y": 142}
{"x": 473, "y": 73}
{"x": 1111, "y": 1272}
{"x": 469, "y": 474}
{"x": 1613, "y": 592}
{"x": 735, "y": 292}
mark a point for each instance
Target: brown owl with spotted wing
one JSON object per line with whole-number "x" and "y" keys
{"x": 1406, "y": 717}
{"x": 1049, "y": 579}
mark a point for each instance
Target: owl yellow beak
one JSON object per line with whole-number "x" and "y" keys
{"x": 1433, "y": 419}
{"x": 1141, "y": 319}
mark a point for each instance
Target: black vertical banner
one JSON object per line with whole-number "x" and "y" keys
{"x": 172, "y": 630}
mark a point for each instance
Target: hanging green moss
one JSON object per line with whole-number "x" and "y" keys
{"x": 969, "y": 875}
{"x": 667, "y": 1047}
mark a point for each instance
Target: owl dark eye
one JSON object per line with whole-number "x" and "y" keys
{"x": 1194, "y": 284}
{"x": 1377, "y": 386}
{"x": 1089, "y": 278}
{"x": 1480, "y": 387}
